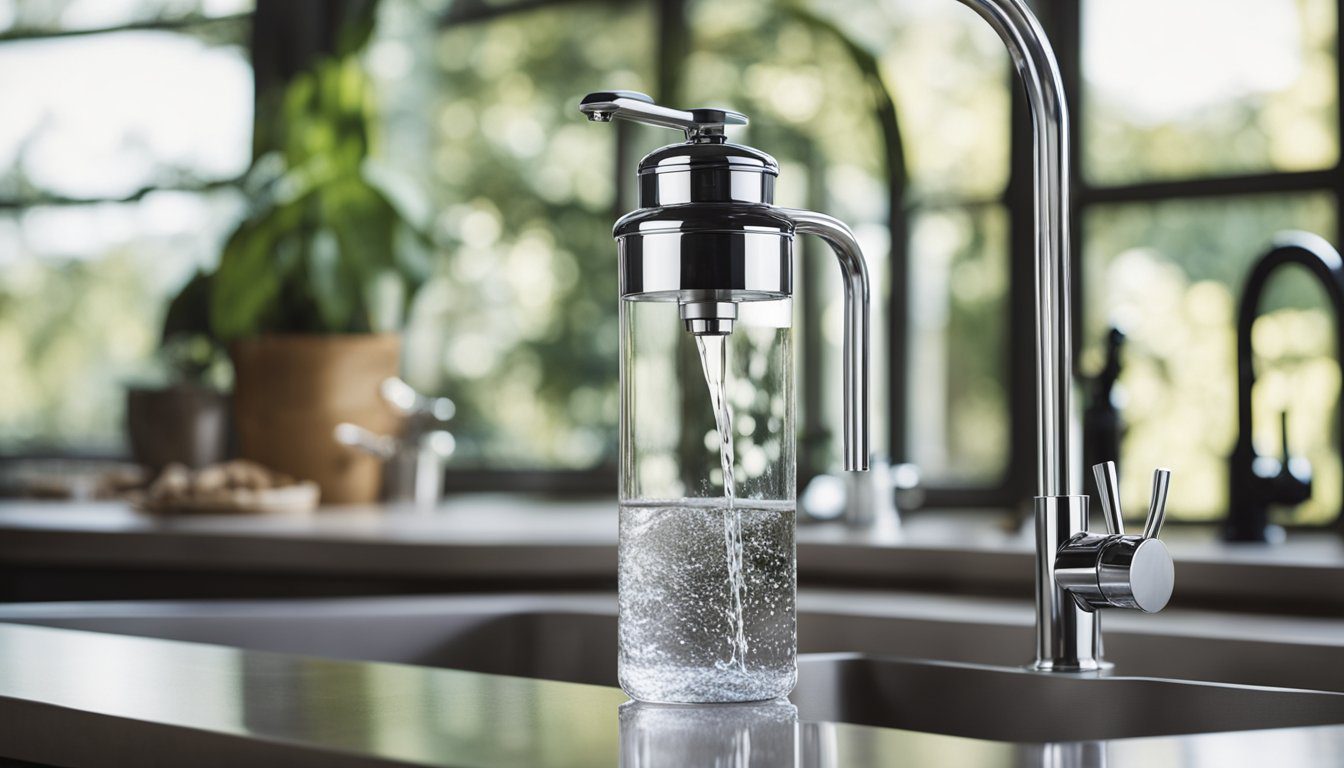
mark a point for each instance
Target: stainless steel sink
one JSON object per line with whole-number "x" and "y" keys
{"x": 974, "y": 690}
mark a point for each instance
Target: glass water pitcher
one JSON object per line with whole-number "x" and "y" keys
{"x": 707, "y": 487}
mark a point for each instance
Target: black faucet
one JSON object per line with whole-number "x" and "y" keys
{"x": 1256, "y": 482}
{"x": 1102, "y": 424}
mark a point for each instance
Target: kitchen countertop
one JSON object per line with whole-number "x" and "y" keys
{"x": 497, "y": 536}
{"x": 90, "y": 699}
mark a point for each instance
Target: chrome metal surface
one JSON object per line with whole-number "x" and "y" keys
{"x": 1068, "y": 636}
{"x": 699, "y": 124}
{"x": 854, "y": 273}
{"x": 415, "y": 458}
{"x": 1034, "y": 61}
{"x": 1157, "y": 507}
{"x": 706, "y": 173}
{"x": 735, "y": 251}
{"x": 1118, "y": 571}
{"x": 708, "y": 317}
{"x": 1108, "y": 490}
{"x": 1135, "y": 573}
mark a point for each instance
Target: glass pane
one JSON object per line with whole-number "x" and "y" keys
{"x": 518, "y": 324}
{"x": 958, "y": 375}
{"x": 106, "y": 115}
{"x": 54, "y": 15}
{"x": 945, "y": 68}
{"x": 953, "y": 87}
{"x": 82, "y": 292}
{"x": 1208, "y": 87}
{"x": 1170, "y": 274}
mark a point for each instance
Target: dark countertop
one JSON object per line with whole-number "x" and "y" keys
{"x": 525, "y": 539}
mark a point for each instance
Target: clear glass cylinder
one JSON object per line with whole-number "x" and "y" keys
{"x": 707, "y": 568}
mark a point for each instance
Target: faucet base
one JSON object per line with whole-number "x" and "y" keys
{"x": 1068, "y": 636}
{"x": 1095, "y": 668}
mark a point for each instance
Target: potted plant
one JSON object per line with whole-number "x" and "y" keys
{"x": 312, "y": 287}
{"x": 184, "y": 418}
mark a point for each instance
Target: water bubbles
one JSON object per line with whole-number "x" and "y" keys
{"x": 678, "y": 621}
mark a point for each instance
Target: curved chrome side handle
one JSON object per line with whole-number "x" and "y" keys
{"x": 854, "y": 270}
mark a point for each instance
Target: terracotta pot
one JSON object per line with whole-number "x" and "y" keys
{"x": 290, "y": 392}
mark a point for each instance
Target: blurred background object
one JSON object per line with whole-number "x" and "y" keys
{"x": 185, "y": 418}
{"x": 414, "y": 460}
{"x": 1103, "y": 420}
{"x": 228, "y": 488}
{"x": 1258, "y": 481}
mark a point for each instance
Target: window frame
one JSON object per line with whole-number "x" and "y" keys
{"x": 1063, "y": 20}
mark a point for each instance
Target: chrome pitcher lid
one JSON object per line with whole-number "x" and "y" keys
{"x": 703, "y": 169}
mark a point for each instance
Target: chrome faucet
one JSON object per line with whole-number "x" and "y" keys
{"x": 1076, "y": 572}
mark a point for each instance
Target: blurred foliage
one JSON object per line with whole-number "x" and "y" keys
{"x": 69, "y": 333}
{"x": 324, "y": 251}
{"x": 517, "y": 322}
{"x": 192, "y": 353}
{"x": 959, "y": 344}
{"x": 820, "y": 81}
{"x": 1250, "y": 86}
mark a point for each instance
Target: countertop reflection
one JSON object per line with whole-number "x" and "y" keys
{"x": 88, "y": 699}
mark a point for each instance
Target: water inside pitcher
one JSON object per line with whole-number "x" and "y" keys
{"x": 707, "y": 567}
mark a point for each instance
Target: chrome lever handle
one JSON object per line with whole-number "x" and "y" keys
{"x": 1108, "y": 488}
{"x": 703, "y": 123}
{"x": 1118, "y": 570}
{"x": 1157, "y": 507}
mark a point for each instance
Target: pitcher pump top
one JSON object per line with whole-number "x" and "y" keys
{"x": 708, "y": 236}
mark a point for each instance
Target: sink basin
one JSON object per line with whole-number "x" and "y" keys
{"x": 974, "y": 691}
{"x": 1010, "y": 704}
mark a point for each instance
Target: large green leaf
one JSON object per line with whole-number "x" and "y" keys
{"x": 326, "y": 244}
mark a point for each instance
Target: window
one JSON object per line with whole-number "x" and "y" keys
{"x": 125, "y": 127}
{"x": 518, "y": 325}
{"x": 1201, "y": 128}
{"x": 1207, "y": 127}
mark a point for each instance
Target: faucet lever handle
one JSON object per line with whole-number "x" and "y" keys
{"x": 704, "y": 124}
{"x": 1157, "y": 507}
{"x": 1108, "y": 488}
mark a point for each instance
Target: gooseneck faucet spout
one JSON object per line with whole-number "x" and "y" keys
{"x": 1034, "y": 60}
{"x": 1076, "y": 572}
